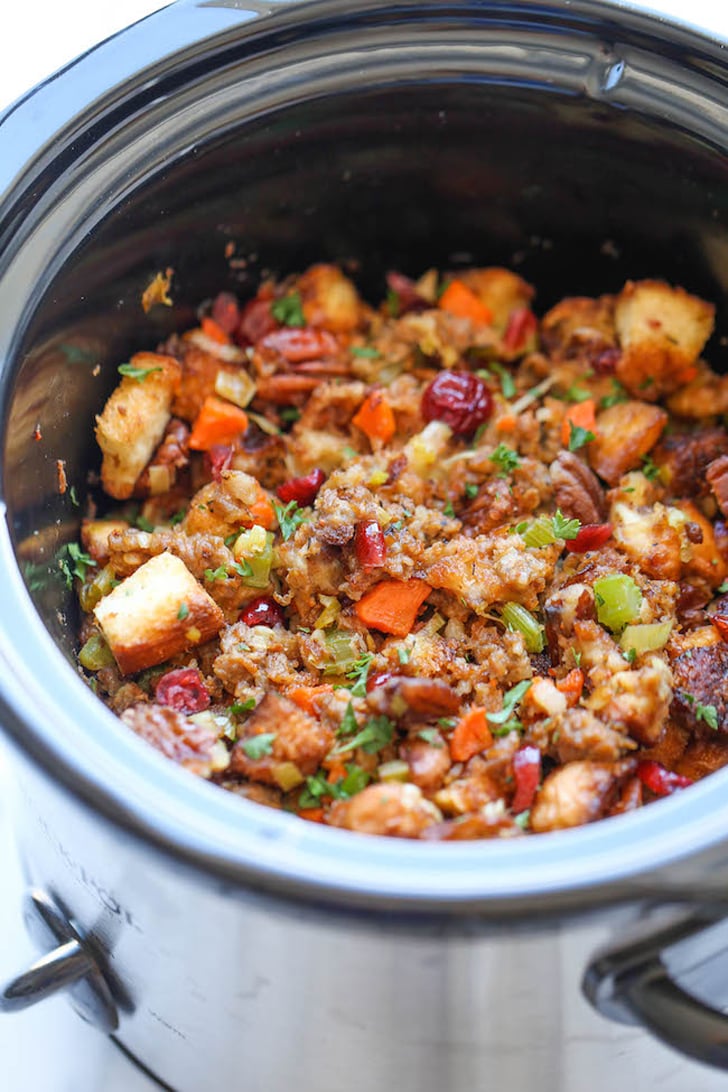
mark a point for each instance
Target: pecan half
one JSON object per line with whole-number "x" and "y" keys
{"x": 577, "y": 490}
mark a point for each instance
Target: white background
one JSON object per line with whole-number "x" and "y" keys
{"x": 48, "y": 1049}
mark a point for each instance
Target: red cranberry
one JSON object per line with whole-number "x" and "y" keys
{"x": 225, "y": 312}
{"x": 590, "y": 537}
{"x": 298, "y": 344}
{"x": 302, "y": 490}
{"x": 182, "y": 690}
{"x": 262, "y": 611}
{"x": 378, "y": 680}
{"x": 460, "y": 399}
{"x": 522, "y": 325}
{"x": 218, "y": 458}
{"x": 255, "y": 322}
{"x": 660, "y": 781}
{"x": 526, "y": 774}
{"x": 605, "y": 362}
{"x": 369, "y": 543}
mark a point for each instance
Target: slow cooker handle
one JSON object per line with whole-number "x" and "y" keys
{"x": 631, "y": 984}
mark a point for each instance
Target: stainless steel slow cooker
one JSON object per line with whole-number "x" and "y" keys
{"x": 222, "y": 944}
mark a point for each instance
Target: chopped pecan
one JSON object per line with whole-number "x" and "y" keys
{"x": 685, "y": 457}
{"x": 717, "y": 477}
{"x": 577, "y": 490}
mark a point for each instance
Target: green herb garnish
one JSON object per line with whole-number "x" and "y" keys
{"x": 239, "y": 707}
{"x": 579, "y": 437}
{"x": 288, "y": 310}
{"x": 289, "y": 414}
{"x": 72, "y": 561}
{"x": 177, "y": 517}
{"x": 359, "y": 672}
{"x": 220, "y": 573}
{"x": 504, "y": 719}
{"x": 132, "y": 372}
{"x": 289, "y": 518}
{"x": 183, "y": 612}
{"x": 618, "y": 395}
{"x": 144, "y": 524}
{"x": 431, "y": 736}
{"x": 256, "y": 747}
{"x": 471, "y": 490}
{"x": 448, "y": 510}
{"x": 650, "y": 469}
{"x": 506, "y": 459}
{"x": 368, "y": 352}
{"x": 376, "y": 734}
{"x": 508, "y": 387}
{"x": 403, "y": 654}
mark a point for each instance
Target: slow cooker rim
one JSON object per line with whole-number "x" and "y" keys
{"x": 305, "y": 858}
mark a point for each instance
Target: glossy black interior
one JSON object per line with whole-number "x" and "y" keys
{"x": 571, "y": 184}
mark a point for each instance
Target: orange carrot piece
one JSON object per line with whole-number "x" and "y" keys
{"x": 376, "y": 418}
{"x": 572, "y": 685}
{"x": 460, "y": 300}
{"x": 337, "y": 772}
{"x": 307, "y": 697}
{"x": 214, "y": 331}
{"x": 314, "y": 815}
{"x": 392, "y": 605}
{"x": 581, "y": 415}
{"x": 218, "y": 422}
{"x": 261, "y": 510}
{"x": 471, "y": 736}
{"x": 506, "y": 423}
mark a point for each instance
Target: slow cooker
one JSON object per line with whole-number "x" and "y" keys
{"x": 227, "y": 945}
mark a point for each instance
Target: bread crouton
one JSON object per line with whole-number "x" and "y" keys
{"x": 295, "y": 738}
{"x": 573, "y": 795}
{"x": 133, "y": 421}
{"x": 579, "y": 326}
{"x": 500, "y": 290}
{"x": 95, "y": 536}
{"x": 704, "y": 396}
{"x": 155, "y": 613}
{"x": 329, "y": 299}
{"x": 661, "y": 331}
{"x": 625, "y": 433}
{"x": 647, "y": 536}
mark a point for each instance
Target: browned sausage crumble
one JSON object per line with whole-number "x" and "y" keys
{"x": 434, "y": 570}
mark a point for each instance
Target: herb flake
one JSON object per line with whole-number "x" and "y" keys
{"x": 288, "y": 310}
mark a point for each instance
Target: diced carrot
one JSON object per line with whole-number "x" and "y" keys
{"x": 460, "y": 300}
{"x": 337, "y": 772}
{"x": 214, "y": 331}
{"x": 392, "y": 605}
{"x": 314, "y": 815}
{"x": 471, "y": 736}
{"x": 507, "y": 423}
{"x": 376, "y": 418}
{"x": 218, "y": 422}
{"x": 307, "y": 697}
{"x": 261, "y": 510}
{"x": 687, "y": 374}
{"x": 581, "y": 415}
{"x": 572, "y": 685}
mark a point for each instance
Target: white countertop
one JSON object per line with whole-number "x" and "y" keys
{"x": 48, "y": 1049}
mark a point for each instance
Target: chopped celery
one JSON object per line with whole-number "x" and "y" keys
{"x": 344, "y": 650}
{"x": 522, "y": 621}
{"x": 396, "y": 770}
{"x": 329, "y": 614}
{"x": 646, "y": 638}
{"x": 94, "y": 591}
{"x": 539, "y": 533}
{"x": 95, "y": 654}
{"x": 254, "y": 548}
{"x": 618, "y": 600}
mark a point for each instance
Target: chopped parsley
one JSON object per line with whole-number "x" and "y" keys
{"x": 289, "y": 518}
{"x": 239, "y": 707}
{"x": 376, "y": 734}
{"x": 506, "y": 459}
{"x": 722, "y": 588}
{"x": 74, "y": 498}
{"x": 650, "y": 469}
{"x": 144, "y": 524}
{"x": 289, "y": 414}
{"x": 471, "y": 490}
{"x": 288, "y": 310}
{"x": 521, "y": 820}
{"x": 242, "y": 568}
{"x": 220, "y": 573}
{"x": 563, "y": 527}
{"x": 348, "y": 722}
{"x": 177, "y": 517}
{"x": 505, "y": 719}
{"x": 183, "y": 612}
{"x": 403, "y": 654}
{"x": 579, "y": 437}
{"x": 707, "y": 713}
{"x": 393, "y": 303}
{"x": 575, "y": 393}
{"x": 618, "y": 395}
{"x": 447, "y": 722}
{"x": 318, "y": 786}
{"x": 72, "y": 561}
{"x": 448, "y": 510}
{"x": 368, "y": 352}
{"x": 140, "y": 374}
{"x": 630, "y": 654}
{"x": 431, "y": 736}
{"x": 359, "y": 672}
{"x": 229, "y": 539}
{"x": 508, "y": 387}
{"x": 256, "y": 747}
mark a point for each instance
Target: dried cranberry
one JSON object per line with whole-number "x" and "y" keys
{"x": 720, "y": 621}
{"x": 225, "y": 312}
{"x": 526, "y": 774}
{"x": 590, "y": 537}
{"x": 255, "y": 322}
{"x": 262, "y": 611}
{"x": 297, "y": 345}
{"x": 375, "y": 681}
{"x": 408, "y": 298}
{"x": 660, "y": 781}
{"x": 302, "y": 490}
{"x": 369, "y": 543}
{"x": 182, "y": 690}
{"x": 522, "y": 325}
{"x": 218, "y": 458}
{"x": 605, "y": 362}
{"x": 459, "y": 399}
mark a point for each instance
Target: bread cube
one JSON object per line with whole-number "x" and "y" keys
{"x": 648, "y": 538}
{"x": 144, "y": 619}
{"x": 133, "y": 421}
{"x": 499, "y": 289}
{"x": 625, "y": 433}
{"x": 95, "y": 536}
{"x": 329, "y": 299}
{"x": 661, "y": 331}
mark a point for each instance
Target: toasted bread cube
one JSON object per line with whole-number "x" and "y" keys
{"x": 133, "y": 421}
{"x": 95, "y": 536}
{"x": 625, "y": 433}
{"x": 704, "y": 396}
{"x": 140, "y": 618}
{"x": 647, "y": 536}
{"x": 499, "y": 289}
{"x": 661, "y": 331}
{"x": 329, "y": 299}
{"x": 580, "y": 323}
{"x": 705, "y": 561}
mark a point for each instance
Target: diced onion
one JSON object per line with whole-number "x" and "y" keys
{"x": 264, "y": 424}
{"x": 396, "y": 770}
{"x": 287, "y": 776}
{"x": 329, "y": 614}
{"x": 231, "y": 354}
{"x": 522, "y": 621}
{"x": 424, "y": 449}
{"x": 237, "y": 387}
{"x": 161, "y": 479}
{"x": 648, "y": 637}
{"x": 618, "y": 600}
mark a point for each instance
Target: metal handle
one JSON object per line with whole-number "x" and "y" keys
{"x": 630, "y": 983}
{"x": 72, "y": 965}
